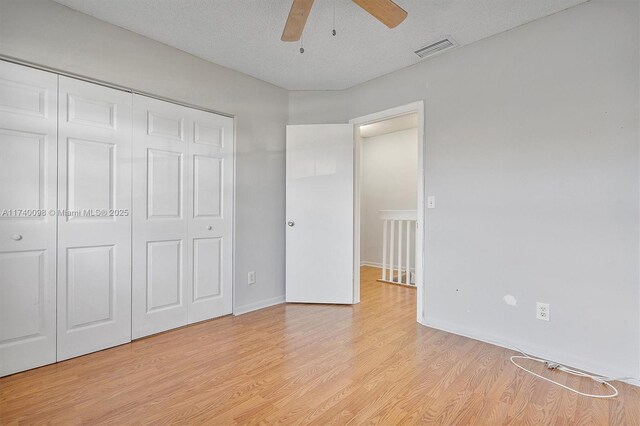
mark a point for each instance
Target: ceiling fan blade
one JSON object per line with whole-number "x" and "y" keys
{"x": 385, "y": 11}
{"x": 297, "y": 19}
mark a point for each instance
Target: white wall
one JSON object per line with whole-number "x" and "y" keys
{"x": 532, "y": 149}
{"x": 389, "y": 167}
{"x": 47, "y": 33}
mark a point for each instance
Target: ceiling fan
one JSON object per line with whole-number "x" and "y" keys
{"x": 385, "y": 11}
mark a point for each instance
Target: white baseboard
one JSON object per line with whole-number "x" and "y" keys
{"x": 544, "y": 353}
{"x": 239, "y": 310}
{"x": 634, "y": 382}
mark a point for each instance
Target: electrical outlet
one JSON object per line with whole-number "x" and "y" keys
{"x": 251, "y": 277}
{"x": 542, "y": 311}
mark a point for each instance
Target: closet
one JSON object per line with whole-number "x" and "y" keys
{"x": 115, "y": 216}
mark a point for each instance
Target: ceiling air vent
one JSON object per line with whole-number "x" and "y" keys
{"x": 436, "y": 47}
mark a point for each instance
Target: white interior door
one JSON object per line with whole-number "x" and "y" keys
{"x": 210, "y": 223}
{"x": 319, "y": 242}
{"x": 161, "y": 207}
{"x": 94, "y": 234}
{"x": 183, "y": 216}
{"x": 28, "y": 141}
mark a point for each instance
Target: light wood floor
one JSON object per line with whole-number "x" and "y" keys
{"x": 370, "y": 363}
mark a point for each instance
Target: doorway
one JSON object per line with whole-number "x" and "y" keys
{"x": 389, "y": 199}
{"x": 323, "y": 211}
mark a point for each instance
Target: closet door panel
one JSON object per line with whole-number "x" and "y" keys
{"x": 210, "y": 224}
{"x": 28, "y": 140}
{"x": 161, "y": 210}
{"x": 94, "y": 231}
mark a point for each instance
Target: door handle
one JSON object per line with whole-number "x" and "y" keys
{"x": 16, "y": 237}
{"x": 291, "y": 223}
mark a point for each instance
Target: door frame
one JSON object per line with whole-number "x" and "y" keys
{"x": 414, "y": 107}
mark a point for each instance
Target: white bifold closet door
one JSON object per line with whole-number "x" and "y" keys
{"x": 210, "y": 225}
{"x": 28, "y": 116}
{"x": 94, "y": 233}
{"x": 182, "y": 230}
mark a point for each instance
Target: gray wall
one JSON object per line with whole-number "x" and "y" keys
{"x": 532, "y": 149}
{"x": 45, "y": 32}
{"x": 389, "y": 168}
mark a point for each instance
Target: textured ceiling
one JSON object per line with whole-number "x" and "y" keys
{"x": 245, "y": 34}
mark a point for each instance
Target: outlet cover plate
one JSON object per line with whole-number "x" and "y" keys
{"x": 542, "y": 311}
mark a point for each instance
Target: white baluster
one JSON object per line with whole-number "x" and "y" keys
{"x": 391, "y": 246}
{"x": 408, "y": 248}
{"x": 392, "y": 272}
{"x": 399, "y": 280}
{"x": 384, "y": 250}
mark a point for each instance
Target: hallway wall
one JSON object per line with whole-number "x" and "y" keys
{"x": 389, "y": 182}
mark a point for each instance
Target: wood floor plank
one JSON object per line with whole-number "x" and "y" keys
{"x": 307, "y": 364}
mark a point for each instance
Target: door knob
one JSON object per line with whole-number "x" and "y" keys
{"x": 291, "y": 223}
{"x": 209, "y": 227}
{"x": 16, "y": 237}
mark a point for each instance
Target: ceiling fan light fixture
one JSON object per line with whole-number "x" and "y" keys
{"x": 385, "y": 11}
